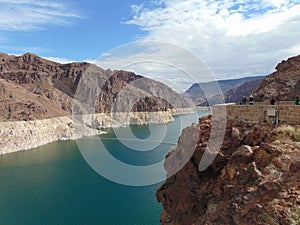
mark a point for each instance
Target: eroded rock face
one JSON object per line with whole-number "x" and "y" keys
{"x": 254, "y": 179}
{"x": 282, "y": 85}
{"x": 48, "y": 88}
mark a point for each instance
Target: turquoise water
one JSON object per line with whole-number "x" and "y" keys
{"x": 53, "y": 184}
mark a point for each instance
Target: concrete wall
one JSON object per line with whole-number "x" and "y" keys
{"x": 259, "y": 112}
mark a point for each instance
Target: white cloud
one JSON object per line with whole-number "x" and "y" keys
{"x": 22, "y": 15}
{"x": 278, "y": 3}
{"x": 18, "y": 50}
{"x": 158, "y": 60}
{"x": 234, "y": 37}
{"x": 59, "y": 60}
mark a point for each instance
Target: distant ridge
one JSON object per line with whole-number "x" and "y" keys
{"x": 200, "y": 98}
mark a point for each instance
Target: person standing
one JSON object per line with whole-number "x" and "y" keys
{"x": 251, "y": 100}
{"x": 244, "y": 100}
{"x": 272, "y": 101}
{"x": 297, "y": 102}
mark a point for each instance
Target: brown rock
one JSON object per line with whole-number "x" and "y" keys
{"x": 244, "y": 153}
{"x": 284, "y": 84}
{"x": 295, "y": 167}
{"x": 49, "y": 88}
{"x": 248, "y": 182}
{"x": 165, "y": 218}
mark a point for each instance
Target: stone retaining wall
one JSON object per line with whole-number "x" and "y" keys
{"x": 261, "y": 113}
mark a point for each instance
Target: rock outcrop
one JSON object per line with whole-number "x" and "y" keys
{"x": 254, "y": 179}
{"x": 283, "y": 84}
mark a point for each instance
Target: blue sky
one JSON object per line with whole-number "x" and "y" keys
{"x": 232, "y": 38}
{"x": 90, "y": 28}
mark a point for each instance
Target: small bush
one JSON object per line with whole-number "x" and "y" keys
{"x": 173, "y": 147}
{"x": 287, "y": 130}
{"x": 297, "y": 134}
{"x": 295, "y": 217}
{"x": 269, "y": 219}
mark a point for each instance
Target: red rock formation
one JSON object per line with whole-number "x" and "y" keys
{"x": 254, "y": 179}
{"x": 284, "y": 84}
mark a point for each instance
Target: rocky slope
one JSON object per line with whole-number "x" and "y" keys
{"x": 35, "y": 88}
{"x": 283, "y": 84}
{"x": 254, "y": 179}
{"x": 209, "y": 92}
{"x": 236, "y": 94}
{"x": 246, "y": 89}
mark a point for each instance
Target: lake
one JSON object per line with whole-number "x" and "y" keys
{"x": 54, "y": 184}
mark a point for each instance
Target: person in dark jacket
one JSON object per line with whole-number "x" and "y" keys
{"x": 251, "y": 100}
{"x": 244, "y": 100}
{"x": 272, "y": 101}
{"x": 297, "y": 102}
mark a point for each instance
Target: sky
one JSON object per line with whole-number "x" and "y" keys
{"x": 178, "y": 42}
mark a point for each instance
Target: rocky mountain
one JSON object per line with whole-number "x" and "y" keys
{"x": 283, "y": 84}
{"x": 235, "y": 94}
{"x": 246, "y": 89}
{"x": 254, "y": 179}
{"x": 34, "y": 88}
{"x": 203, "y": 93}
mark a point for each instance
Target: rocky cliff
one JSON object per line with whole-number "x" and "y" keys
{"x": 283, "y": 84}
{"x": 37, "y": 97}
{"x": 254, "y": 179}
{"x": 35, "y": 88}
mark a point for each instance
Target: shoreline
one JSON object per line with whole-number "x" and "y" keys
{"x": 16, "y": 136}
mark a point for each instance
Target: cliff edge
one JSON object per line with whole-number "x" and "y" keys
{"x": 254, "y": 179}
{"x": 38, "y": 97}
{"x": 283, "y": 84}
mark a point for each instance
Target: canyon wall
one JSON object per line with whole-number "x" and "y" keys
{"x": 35, "y": 88}
{"x": 24, "y": 135}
